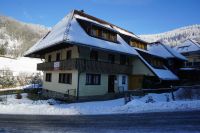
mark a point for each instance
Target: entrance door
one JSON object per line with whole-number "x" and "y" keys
{"x": 111, "y": 83}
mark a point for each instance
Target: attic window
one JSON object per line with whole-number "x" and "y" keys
{"x": 156, "y": 63}
{"x": 103, "y": 34}
{"x": 98, "y": 31}
{"x": 138, "y": 44}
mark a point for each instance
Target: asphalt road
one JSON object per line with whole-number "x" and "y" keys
{"x": 178, "y": 122}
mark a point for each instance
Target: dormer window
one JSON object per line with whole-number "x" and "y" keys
{"x": 113, "y": 37}
{"x": 98, "y": 31}
{"x": 138, "y": 44}
{"x": 94, "y": 32}
{"x": 105, "y": 35}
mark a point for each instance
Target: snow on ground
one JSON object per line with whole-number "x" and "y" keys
{"x": 160, "y": 103}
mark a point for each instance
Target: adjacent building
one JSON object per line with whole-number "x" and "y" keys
{"x": 191, "y": 50}
{"x": 85, "y": 56}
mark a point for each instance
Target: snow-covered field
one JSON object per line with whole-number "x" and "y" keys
{"x": 148, "y": 103}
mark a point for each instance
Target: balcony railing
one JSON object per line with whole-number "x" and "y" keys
{"x": 84, "y": 65}
{"x": 193, "y": 64}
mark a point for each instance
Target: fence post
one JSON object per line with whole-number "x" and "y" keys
{"x": 172, "y": 92}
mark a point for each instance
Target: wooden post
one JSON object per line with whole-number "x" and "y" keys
{"x": 172, "y": 92}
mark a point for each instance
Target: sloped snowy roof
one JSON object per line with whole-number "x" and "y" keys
{"x": 164, "y": 51}
{"x": 68, "y": 30}
{"x": 163, "y": 74}
{"x": 187, "y": 46}
{"x": 55, "y": 36}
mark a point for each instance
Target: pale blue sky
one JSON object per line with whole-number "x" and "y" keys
{"x": 138, "y": 16}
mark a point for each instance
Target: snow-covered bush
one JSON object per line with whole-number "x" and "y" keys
{"x": 149, "y": 100}
{"x": 167, "y": 98}
{"x": 24, "y": 78}
{"x": 36, "y": 79}
{"x": 8, "y": 81}
{"x": 18, "y": 96}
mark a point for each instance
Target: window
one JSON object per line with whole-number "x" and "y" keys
{"x": 122, "y": 59}
{"x": 105, "y": 35}
{"x": 94, "y": 31}
{"x": 123, "y": 80}
{"x": 156, "y": 63}
{"x": 111, "y": 58}
{"x": 98, "y": 31}
{"x": 94, "y": 55}
{"x": 58, "y": 57}
{"x": 49, "y": 58}
{"x": 113, "y": 37}
{"x": 69, "y": 54}
{"x": 138, "y": 44}
{"x": 93, "y": 79}
{"x": 48, "y": 77}
{"x": 65, "y": 78}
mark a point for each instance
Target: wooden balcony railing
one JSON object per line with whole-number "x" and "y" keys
{"x": 193, "y": 64}
{"x": 84, "y": 65}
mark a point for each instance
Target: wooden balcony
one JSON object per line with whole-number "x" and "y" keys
{"x": 192, "y": 64}
{"x": 84, "y": 65}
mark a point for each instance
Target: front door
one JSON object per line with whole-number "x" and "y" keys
{"x": 111, "y": 83}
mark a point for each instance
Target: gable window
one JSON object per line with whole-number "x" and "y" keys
{"x": 69, "y": 54}
{"x": 48, "y": 77}
{"x": 111, "y": 58}
{"x": 93, "y": 79}
{"x": 49, "y": 58}
{"x": 58, "y": 57}
{"x": 94, "y": 55}
{"x": 65, "y": 78}
{"x": 122, "y": 59}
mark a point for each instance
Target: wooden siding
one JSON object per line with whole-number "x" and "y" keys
{"x": 84, "y": 65}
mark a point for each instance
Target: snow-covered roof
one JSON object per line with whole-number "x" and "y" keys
{"x": 164, "y": 51}
{"x": 68, "y": 30}
{"x": 188, "y": 46}
{"x": 163, "y": 74}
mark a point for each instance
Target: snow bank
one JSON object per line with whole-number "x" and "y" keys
{"x": 52, "y": 107}
{"x": 160, "y": 103}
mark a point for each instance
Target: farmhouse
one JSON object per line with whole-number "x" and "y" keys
{"x": 191, "y": 50}
{"x": 85, "y": 56}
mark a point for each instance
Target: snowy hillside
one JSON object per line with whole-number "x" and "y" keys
{"x": 16, "y": 37}
{"x": 176, "y": 36}
{"x": 19, "y": 65}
